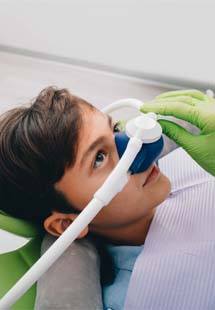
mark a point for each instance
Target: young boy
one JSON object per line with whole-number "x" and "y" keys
{"x": 54, "y": 155}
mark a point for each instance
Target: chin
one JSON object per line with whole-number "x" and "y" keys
{"x": 160, "y": 189}
{"x": 165, "y": 185}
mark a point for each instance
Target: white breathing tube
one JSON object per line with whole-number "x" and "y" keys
{"x": 112, "y": 185}
{"x": 123, "y": 103}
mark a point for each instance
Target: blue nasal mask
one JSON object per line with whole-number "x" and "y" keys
{"x": 147, "y": 155}
{"x": 149, "y": 151}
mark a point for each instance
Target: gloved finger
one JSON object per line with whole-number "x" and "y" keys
{"x": 177, "y": 109}
{"x": 184, "y": 99}
{"x": 194, "y": 93}
{"x": 193, "y": 96}
{"x": 177, "y": 133}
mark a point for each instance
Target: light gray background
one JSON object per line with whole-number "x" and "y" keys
{"x": 170, "y": 40}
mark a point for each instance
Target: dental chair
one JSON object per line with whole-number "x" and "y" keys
{"x": 24, "y": 244}
{"x": 17, "y": 258}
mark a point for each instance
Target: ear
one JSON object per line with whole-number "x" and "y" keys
{"x": 58, "y": 222}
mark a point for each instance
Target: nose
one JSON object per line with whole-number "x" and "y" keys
{"x": 148, "y": 153}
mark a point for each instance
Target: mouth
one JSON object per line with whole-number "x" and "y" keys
{"x": 153, "y": 175}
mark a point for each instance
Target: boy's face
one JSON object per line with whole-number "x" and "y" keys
{"x": 95, "y": 161}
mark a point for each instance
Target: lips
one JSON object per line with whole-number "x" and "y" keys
{"x": 154, "y": 172}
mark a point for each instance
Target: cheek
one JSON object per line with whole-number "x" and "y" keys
{"x": 124, "y": 208}
{"x": 133, "y": 203}
{"x": 94, "y": 182}
{"x": 86, "y": 189}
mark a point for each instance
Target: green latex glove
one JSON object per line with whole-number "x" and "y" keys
{"x": 197, "y": 108}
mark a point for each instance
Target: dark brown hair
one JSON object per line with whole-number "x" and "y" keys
{"x": 37, "y": 143}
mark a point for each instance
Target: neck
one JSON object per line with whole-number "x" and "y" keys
{"x": 133, "y": 234}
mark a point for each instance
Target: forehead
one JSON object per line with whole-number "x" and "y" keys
{"x": 93, "y": 122}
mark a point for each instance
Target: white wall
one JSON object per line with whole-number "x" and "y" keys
{"x": 170, "y": 38}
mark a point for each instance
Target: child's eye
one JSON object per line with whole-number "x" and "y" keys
{"x": 100, "y": 157}
{"x": 116, "y": 127}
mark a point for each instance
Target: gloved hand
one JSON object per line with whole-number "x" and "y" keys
{"x": 197, "y": 108}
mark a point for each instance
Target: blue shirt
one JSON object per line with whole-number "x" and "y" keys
{"x": 124, "y": 258}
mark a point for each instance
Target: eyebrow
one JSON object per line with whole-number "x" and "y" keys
{"x": 97, "y": 142}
